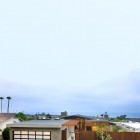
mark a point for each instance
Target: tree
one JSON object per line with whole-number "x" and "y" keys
{"x": 9, "y": 98}
{"x": 6, "y": 133}
{"x": 22, "y": 116}
{"x": 48, "y": 116}
{"x": 121, "y": 117}
{"x": 1, "y": 103}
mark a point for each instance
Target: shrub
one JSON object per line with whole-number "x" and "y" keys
{"x": 102, "y": 132}
{"x": 6, "y": 134}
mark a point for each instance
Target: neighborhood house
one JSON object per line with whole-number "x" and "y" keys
{"x": 42, "y": 130}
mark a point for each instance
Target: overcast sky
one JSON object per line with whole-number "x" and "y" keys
{"x": 82, "y": 56}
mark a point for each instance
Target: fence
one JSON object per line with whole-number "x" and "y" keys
{"x": 90, "y": 135}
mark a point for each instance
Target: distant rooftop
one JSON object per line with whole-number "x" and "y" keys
{"x": 78, "y": 116}
{"x": 40, "y": 123}
{"x": 6, "y": 116}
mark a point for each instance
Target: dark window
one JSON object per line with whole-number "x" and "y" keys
{"x": 88, "y": 128}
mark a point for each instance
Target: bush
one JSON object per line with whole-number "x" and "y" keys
{"x": 6, "y": 134}
{"x": 102, "y": 132}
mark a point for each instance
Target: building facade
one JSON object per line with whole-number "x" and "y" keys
{"x": 42, "y": 130}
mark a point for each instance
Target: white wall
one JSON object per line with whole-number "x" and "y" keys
{"x": 70, "y": 133}
{"x": 9, "y": 121}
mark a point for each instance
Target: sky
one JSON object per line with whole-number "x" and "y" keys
{"x": 81, "y": 56}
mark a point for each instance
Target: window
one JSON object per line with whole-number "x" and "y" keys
{"x": 88, "y": 128}
{"x": 32, "y": 135}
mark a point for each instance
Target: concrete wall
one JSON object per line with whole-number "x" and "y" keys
{"x": 3, "y": 125}
{"x": 55, "y": 133}
{"x": 70, "y": 133}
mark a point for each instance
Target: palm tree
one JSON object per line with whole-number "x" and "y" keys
{"x": 1, "y": 103}
{"x": 9, "y": 98}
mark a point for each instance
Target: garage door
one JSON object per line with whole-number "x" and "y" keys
{"x": 32, "y": 135}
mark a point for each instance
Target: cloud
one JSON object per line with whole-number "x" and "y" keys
{"x": 118, "y": 96}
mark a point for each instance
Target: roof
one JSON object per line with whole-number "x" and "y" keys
{"x": 71, "y": 123}
{"x": 93, "y": 122}
{"x": 6, "y": 116}
{"x": 78, "y": 116}
{"x": 39, "y": 124}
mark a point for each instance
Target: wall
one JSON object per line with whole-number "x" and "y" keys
{"x": 9, "y": 121}
{"x": 3, "y": 125}
{"x": 70, "y": 133}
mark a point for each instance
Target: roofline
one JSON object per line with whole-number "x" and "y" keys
{"x": 8, "y": 113}
{"x": 38, "y": 124}
{"x": 32, "y": 126}
{"x": 12, "y": 116}
{"x": 78, "y": 116}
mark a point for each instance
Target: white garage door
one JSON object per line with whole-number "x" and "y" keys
{"x": 32, "y": 135}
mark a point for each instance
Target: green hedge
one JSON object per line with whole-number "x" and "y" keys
{"x": 6, "y": 134}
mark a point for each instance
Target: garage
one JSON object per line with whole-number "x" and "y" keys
{"x": 31, "y": 135}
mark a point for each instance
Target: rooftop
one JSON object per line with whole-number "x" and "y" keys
{"x": 6, "y": 116}
{"x": 71, "y": 123}
{"x": 78, "y": 116}
{"x": 40, "y": 123}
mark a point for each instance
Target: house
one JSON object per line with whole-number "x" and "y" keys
{"x": 67, "y": 128}
{"x": 6, "y": 118}
{"x": 94, "y": 125}
{"x": 43, "y": 130}
{"x": 87, "y": 123}
{"x": 81, "y": 118}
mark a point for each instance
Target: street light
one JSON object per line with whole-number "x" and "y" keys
{"x": 9, "y": 98}
{"x": 1, "y": 98}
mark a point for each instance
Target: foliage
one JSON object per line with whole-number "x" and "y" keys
{"x": 6, "y": 134}
{"x": 121, "y": 130}
{"x": 43, "y": 114}
{"x": 102, "y": 132}
{"x": 114, "y": 120}
{"x": 115, "y": 128}
{"x": 48, "y": 115}
{"x": 119, "y": 118}
{"x": 22, "y": 116}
